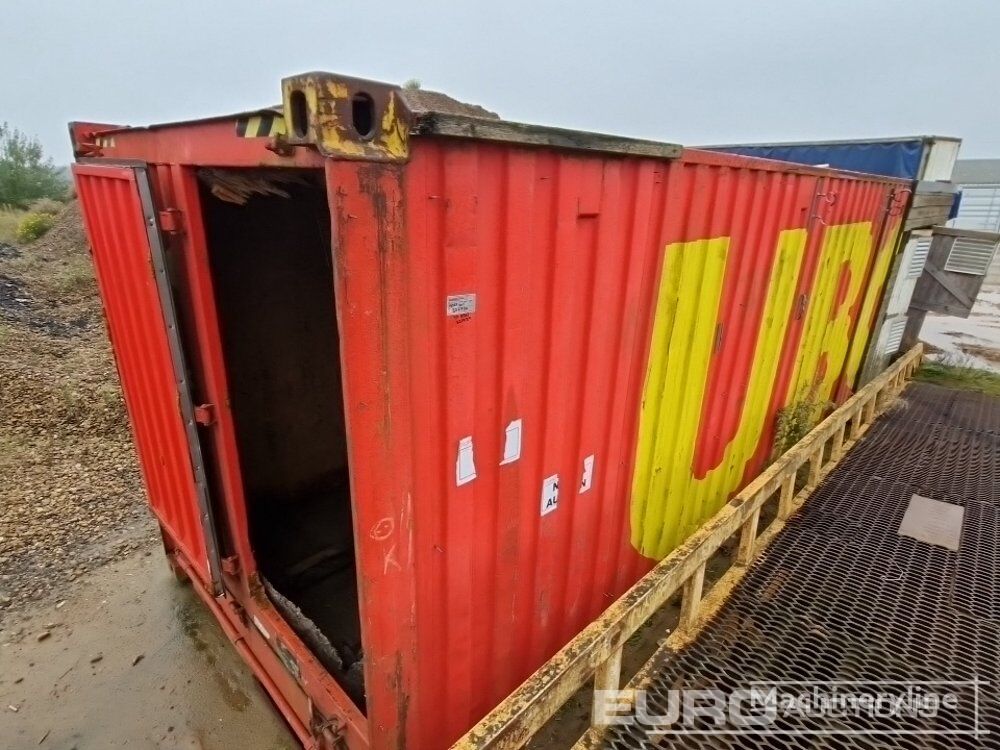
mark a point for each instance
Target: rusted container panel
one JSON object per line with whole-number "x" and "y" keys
{"x": 625, "y": 330}
{"x": 560, "y": 354}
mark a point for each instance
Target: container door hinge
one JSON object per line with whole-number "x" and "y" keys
{"x": 238, "y": 610}
{"x": 231, "y": 564}
{"x": 171, "y": 221}
{"x": 204, "y": 414}
{"x": 329, "y": 733}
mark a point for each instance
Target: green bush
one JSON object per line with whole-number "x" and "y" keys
{"x": 33, "y": 226}
{"x": 26, "y": 174}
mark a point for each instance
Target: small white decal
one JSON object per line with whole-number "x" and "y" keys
{"x": 550, "y": 494}
{"x": 461, "y": 304}
{"x": 465, "y": 465}
{"x": 512, "y": 443}
{"x": 260, "y": 626}
{"x": 588, "y": 473}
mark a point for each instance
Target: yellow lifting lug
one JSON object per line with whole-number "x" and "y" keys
{"x": 347, "y": 118}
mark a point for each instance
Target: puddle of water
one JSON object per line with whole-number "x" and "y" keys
{"x": 950, "y": 334}
{"x": 80, "y": 689}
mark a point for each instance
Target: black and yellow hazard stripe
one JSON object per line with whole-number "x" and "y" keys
{"x": 262, "y": 125}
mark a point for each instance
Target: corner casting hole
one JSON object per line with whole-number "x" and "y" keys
{"x": 300, "y": 113}
{"x": 363, "y": 115}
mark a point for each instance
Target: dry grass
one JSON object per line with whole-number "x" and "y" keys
{"x": 69, "y": 279}
{"x": 9, "y": 219}
{"x": 57, "y": 270}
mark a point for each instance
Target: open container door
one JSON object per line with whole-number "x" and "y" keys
{"x": 129, "y": 261}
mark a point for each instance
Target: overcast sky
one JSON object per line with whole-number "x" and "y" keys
{"x": 691, "y": 72}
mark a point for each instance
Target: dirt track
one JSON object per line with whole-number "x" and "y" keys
{"x": 99, "y": 646}
{"x": 71, "y": 492}
{"x": 132, "y": 660}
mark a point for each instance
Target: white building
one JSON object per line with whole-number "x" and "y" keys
{"x": 979, "y": 181}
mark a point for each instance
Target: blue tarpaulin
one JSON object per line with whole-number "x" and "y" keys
{"x": 889, "y": 158}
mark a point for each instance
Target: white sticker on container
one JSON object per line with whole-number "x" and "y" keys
{"x": 260, "y": 626}
{"x": 588, "y": 473}
{"x": 461, "y": 304}
{"x": 550, "y": 494}
{"x": 465, "y": 465}
{"x": 512, "y": 443}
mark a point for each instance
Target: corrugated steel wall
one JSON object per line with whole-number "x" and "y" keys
{"x": 757, "y": 315}
{"x": 116, "y": 227}
{"x": 521, "y": 326}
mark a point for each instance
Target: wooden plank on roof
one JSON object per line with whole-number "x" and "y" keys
{"x": 476, "y": 128}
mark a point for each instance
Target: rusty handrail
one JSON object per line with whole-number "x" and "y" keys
{"x": 596, "y": 651}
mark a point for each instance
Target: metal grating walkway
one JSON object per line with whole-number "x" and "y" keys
{"x": 840, "y": 596}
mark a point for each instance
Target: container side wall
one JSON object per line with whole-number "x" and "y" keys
{"x": 559, "y": 365}
{"x": 726, "y": 295}
{"x": 492, "y": 353}
{"x": 525, "y": 404}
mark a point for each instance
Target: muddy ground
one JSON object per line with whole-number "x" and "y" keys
{"x": 132, "y": 660}
{"x": 972, "y": 341}
{"x": 99, "y": 646}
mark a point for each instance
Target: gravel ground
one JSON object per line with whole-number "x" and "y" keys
{"x": 71, "y": 497}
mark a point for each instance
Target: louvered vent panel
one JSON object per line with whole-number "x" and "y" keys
{"x": 895, "y": 337}
{"x": 970, "y": 256}
{"x": 921, "y": 247}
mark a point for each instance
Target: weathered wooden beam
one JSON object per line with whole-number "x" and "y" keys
{"x": 786, "y": 496}
{"x": 837, "y": 450}
{"x": 815, "y": 464}
{"x": 483, "y": 129}
{"x": 693, "y": 588}
{"x": 747, "y": 538}
{"x": 607, "y": 676}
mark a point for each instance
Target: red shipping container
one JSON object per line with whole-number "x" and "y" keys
{"x": 418, "y": 392}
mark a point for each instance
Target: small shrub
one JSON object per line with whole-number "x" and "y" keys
{"x": 33, "y": 226}
{"x": 795, "y": 421}
{"x": 46, "y": 206}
